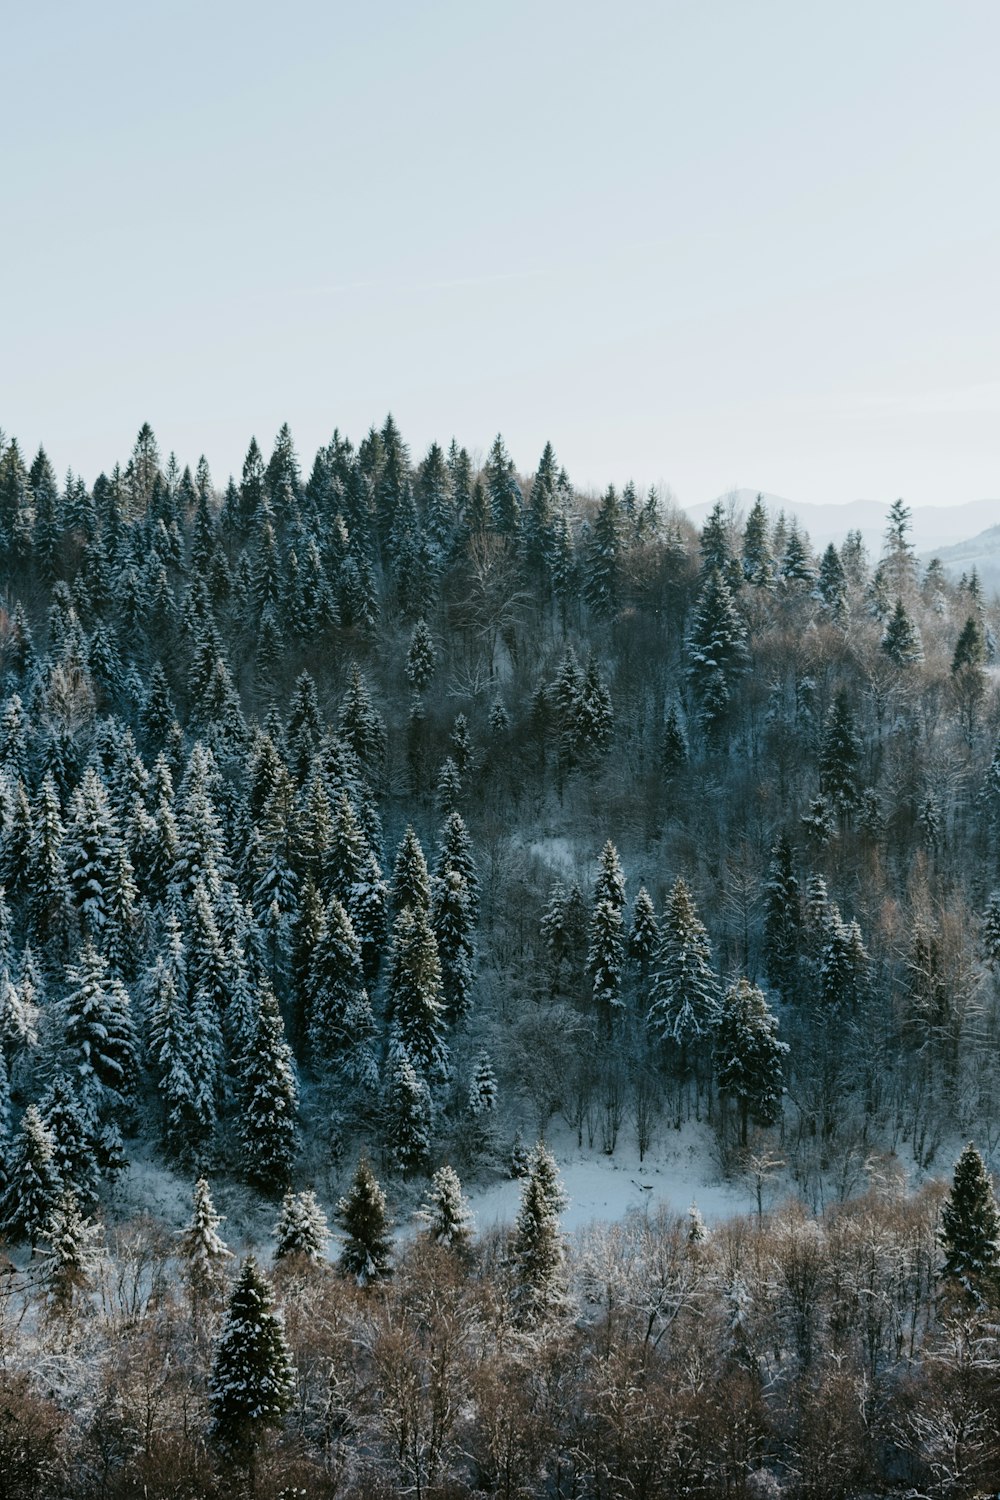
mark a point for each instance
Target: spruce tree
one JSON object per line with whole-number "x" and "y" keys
{"x": 33, "y": 1184}
{"x": 416, "y": 994}
{"x": 421, "y": 657}
{"x": 684, "y": 994}
{"x": 252, "y": 1380}
{"x": 410, "y": 878}
{"x": 970, "y": 1230}
{"x": 202, "y": 1250}
{"x": 644, "y": 934}
{"x": 301, "y": 1230}
{"x": 717, "y": 655}
{"x": 782, "y": 919}
{"x": 99, "y": 1037}
{"x": 840, "y": 754}
{"x": 901, "y": 641}
{"x": 748, "y": 1056}
{"x": 69, "y": 1253}
{"x": 335, "y": 984}
{"x": 452, "y": 927}
{"x": 445, "y": 1212}
{"x": 269, "y": 1093}
{"x": 408, "y": 1115}
{"x": 366, "y": 1254}
{"x": 537, "y": 1248}
{"x": 454, "y": 852}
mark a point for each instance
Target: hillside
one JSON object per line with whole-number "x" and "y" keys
{"x": 382, "y": 817}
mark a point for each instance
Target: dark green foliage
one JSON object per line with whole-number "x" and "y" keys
{"x": 749, "y": 1056}
{"x": 970, "y": 1230}
{"x": 366, "y": 1254}
{"x": 252, "y": 1378}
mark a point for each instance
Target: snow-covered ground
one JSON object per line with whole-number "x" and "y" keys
{"x": 678, "y": 1171}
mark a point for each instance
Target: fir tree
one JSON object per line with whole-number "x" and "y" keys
{"x": 73, "y": 1145}
{"x": 335, "y": 984}
{"x": 454, "y": 852}
{"x": 99, "y": 1036}
{"x": 484, "y": 1094}
{"x": 366, "y": 1254}
{"x": 445, "y": 1212}
{"x": 421, "y": 657}
{"x": 673, "y": 744}
{"x": 301, "y": 1230}
{"x": 252, "y": 1380}
{"x": 606, "y": 958}
{"x": 840, "y": 753}
{"x": 644, "y": 934}
{"x": 717, "y": 655}
{"x": 970, "y": 1230}
{"x": 748, "y": 1056}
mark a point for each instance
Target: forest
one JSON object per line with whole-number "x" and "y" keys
{"x": 366, "y": 831}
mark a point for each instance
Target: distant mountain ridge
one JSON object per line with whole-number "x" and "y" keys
{"x": 936, "y": 528}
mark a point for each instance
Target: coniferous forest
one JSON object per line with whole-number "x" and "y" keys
{"x": 368, "y": 826}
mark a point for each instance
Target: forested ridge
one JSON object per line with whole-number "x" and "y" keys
{"x": 361, "y": 828}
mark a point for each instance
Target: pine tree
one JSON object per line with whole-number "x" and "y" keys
{"x": 503, "y": 493}
{"x": 445, "y": 1212}
{"x": 970, "y": 1230}
{"x": 451, "y": 924}
{"x": 91, "y": 847}
{"x": 33, "y": 1185}
{"x": 901, "y": 641}
{"x": 748, "y": 1056}
{"x": 421, "y": 657}
{"x": 252, "y": 1379}
{"x": 448, "y": 791}
{"x": 411, "y": 885}
{"x": 366, "y": 1254}
{"x": 202, "y": 1250}
{"x": 832, "y": 581}
{"x": 537, "y": 1248}
{"x": 268, "y": 1126}
{"x": 970, "y": 649}
{"x": 335, "y": 984}
{"x": 717, "y": 655}
{"x": 99, "y": 1037}
{"x": 362, "y": 726}
{"x": 644, "y": 934}
{"x": 408, "y": 1115}
{"x": 602, "y": 577}
{"x": 69, "y": 1254}
{"x": 416, "y": 994}
{"x": 48, "y": 901}
{"x": 301, "y": 1230}
{"x": 684, "y": 995}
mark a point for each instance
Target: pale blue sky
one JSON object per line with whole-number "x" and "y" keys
{"x": 711, "y": 244}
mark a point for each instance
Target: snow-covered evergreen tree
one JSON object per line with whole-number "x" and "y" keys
{"x": 366, "y": 1254}
{"x": 69, "y": 1252}
{"x": 408, "y": 1115}
{"x": 202, "y": 1250}
{"x": 970, "y": 1230}
{"x": 537, "y": 1248}
{"x": 484, "y": 1094}
{"x": 684, "y": 994}
{"x": 73, "y": 1144}
{"x": 452, "y": 927}
{"x": 644, "y": 934}
{"x": 301, "y": 1230}
{"x": 782, "y": 919}
{"x": 269, "y": 1132}
{"x": 445, "y": 1211}
{"x": 33, "y": 1185}
{"x": 749, "y": 1056}
{"x": 252, "y": 1380}
{"x": 410, "y": 877}
{"x": 416, "y": 995}
{"x": 99, "y": 1037}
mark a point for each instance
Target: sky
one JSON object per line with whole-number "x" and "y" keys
{"x": 696, "y": 243}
